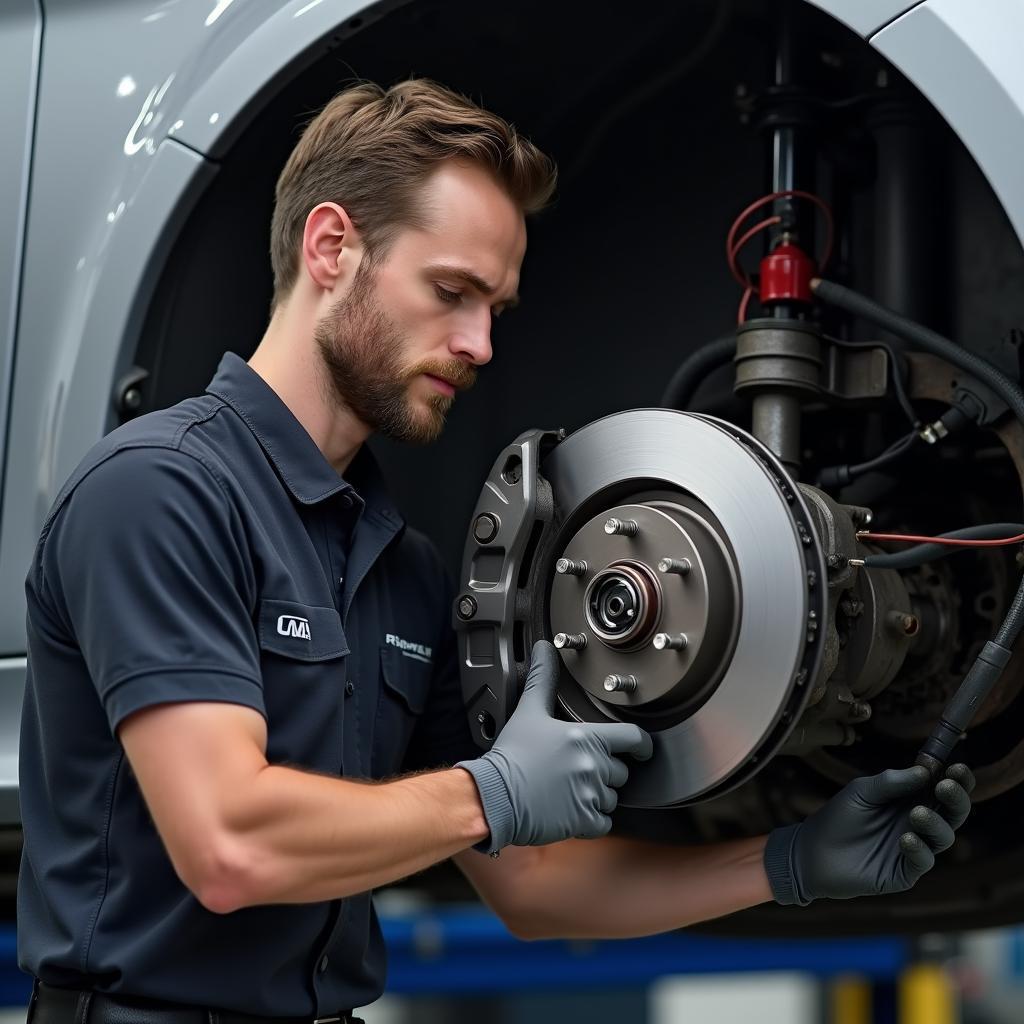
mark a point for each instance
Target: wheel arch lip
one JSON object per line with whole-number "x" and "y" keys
{"x": 223, "y": 66}
{"x": 141, "y": 160}
{"x": 960, "y": 61}
{"x": 230, "y": 79}
{"x": 865, "y": 17}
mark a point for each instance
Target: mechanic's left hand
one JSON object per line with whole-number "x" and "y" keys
{"x": 874, "y": 836}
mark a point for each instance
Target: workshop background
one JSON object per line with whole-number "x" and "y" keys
{"x": 665, "y": 126}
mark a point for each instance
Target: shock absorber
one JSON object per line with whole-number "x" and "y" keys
{"x": 779, "y": 355}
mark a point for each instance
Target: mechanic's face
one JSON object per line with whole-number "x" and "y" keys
{"x": 410, "y": 331}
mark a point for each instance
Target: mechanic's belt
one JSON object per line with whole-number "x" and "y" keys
{"x": 69, "y": 1006}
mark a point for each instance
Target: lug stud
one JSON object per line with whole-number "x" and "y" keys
{"x": 568, "y": 567}
{"x": 570, "y": 641}
{"x": 678, "y": 566}
{"x": 624, "y": 527}
{"x": 668, "y": 642}
{"x": 620, "y": 684}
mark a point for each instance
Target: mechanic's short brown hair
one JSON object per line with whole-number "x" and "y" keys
{"x": 370, "y": 150}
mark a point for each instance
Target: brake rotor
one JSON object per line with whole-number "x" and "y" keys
{"x": 672, "y": 560}
{"x": 684, "y": 589}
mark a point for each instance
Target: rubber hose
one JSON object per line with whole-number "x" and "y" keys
{"x": 860, "y": 305}
{"x": 921, "y": 553}
{"x": 694, "y": 369}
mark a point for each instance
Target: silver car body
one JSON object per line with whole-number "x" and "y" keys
{"x": 114, "y": 116}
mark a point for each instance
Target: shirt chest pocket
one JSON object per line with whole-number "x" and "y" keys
{"x": 405, "y": 680}
{"x": 302, "y": 659}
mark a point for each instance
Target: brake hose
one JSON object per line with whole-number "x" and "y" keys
{"x": 921, "y": 553}
{"x": 694, "y": 369}
{"x": 989, "y": 665}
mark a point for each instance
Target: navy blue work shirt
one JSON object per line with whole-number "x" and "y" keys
{"x": 209, "y": 552}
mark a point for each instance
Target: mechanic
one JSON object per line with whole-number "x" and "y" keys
{"x": 243, "y": 705}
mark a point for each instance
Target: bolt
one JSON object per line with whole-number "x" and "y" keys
{"x": 131, "y": 399}
{"x": 625, "y": 527}
{"x": 835, "y": 561}
{"x": 860, "y": 711}
{"x": 679, "y": 566}
{"x": 665, "y": 641}
{"x": 567, "y": 567}
{"x": 466, "y": 607}
{"x": 485, "y": 529}
{"x": 570, "y": 641}
{"x": 623, "y": 684}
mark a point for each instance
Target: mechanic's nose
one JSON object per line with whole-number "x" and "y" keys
{"x": 476, "y": 345}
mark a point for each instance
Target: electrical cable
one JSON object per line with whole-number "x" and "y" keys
{"x": 733, "y": 246}
{"x": 891, "y": 454}
{"x": 741, "y": 313}
{"x": 687, "y": 378}
{"x": 936, "y": 547}
{"x": 965, "y": 538}
{"x": 989, "y": 665}
{"x": 733, "y": 253}
{"x": 833, "y": 477}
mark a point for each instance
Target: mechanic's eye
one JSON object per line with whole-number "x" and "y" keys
{"x": 446, "y": 296}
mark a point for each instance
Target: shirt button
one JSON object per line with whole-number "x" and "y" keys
{"x": 322, "y": 966}
{"x": 350, "y": 687}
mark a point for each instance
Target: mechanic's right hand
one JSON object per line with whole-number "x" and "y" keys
{"x": 545, "y": 780}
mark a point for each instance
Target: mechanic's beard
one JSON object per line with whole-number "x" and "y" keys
{"x": 361, "y": 349}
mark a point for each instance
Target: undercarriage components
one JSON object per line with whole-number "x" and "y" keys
{"x": 992, "y": 659}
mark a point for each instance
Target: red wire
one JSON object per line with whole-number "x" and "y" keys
{"x": 741, "y": 315}
{"x": 732, "y": 248}
{"x": 948, "y": 541}
{"x": 737, "y": 270}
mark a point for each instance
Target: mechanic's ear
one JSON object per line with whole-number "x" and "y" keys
{"x": 331, "y": 247}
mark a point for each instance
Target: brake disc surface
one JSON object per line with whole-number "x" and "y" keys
{"x": 673, "y": 562}
{"x": 700, "y": 616}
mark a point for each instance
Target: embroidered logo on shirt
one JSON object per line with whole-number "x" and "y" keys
{"x": 410, "y": 650}
{"x": 293, "y": 625}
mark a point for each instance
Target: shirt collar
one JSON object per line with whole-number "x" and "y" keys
{"x": 297, "y": 459}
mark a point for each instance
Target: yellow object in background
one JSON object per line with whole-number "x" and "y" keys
{"x": 927, "y": 996}
{"x": 850, "y": 1000}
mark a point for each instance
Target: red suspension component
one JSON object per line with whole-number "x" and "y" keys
{"x": 786, "y": 274}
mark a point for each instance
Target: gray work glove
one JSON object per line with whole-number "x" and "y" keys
{"x": 545, "y": 780}
{"x": 874, "y": 836}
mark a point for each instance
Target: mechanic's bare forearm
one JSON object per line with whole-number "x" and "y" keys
{"x": 296, "y": 837}
{"x": 621, "y": 888}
